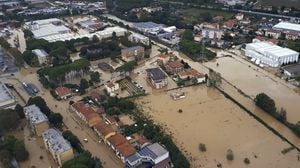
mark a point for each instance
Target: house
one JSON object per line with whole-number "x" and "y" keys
{"x": 292, "y": 35}
{"x": 152, "y": 9}
{"x": 133, "y": 53}
{"x": 164, "y": 58}
{"x": 217, "y": 42}
{"x": 103, "y": 130}
{"x": 229, "y": 24}
{"x": 206, "y": 25}
{"x": 38, "y": 121}
{"x": 212, "y": 33}
{"x": 273, "y": 33}
{"x": 239, "y": 16}
{"x": 198, "y": 37}
{"x": 60, "y": 149}
{"x": 292, "y": 71}
{"x": 261, "y": 38}
{"x": 98, "y": 95}
{"x": 154, "y": 154}
{"x": 142, "y": 141}
{"x": 192, "y": 74}
{"x": 157, "y": 77}
{"x": 110, "y": 119}
{"x": 41, "y": 55}
{"x": 86, "y": 113}
{"x": 218, "y": 18}
{"x": 174, "y": 67}
{"x": 63, "y": 92}
{"x": 112, "y": 88}
{"x": 138, "y": 38}
{"x": 121, "y": 146}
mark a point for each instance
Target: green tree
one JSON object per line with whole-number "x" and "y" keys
{"x": 27, "y": 33}
{"x": 188, "y": 35}
{"x": 127, "y": 67}
{"x": 74, "y": 141}
{"x": 56, "y": 119}
{"x": 84, "y": 84}
{"x": 265, "y": 102}
{"x": 9, "y": 120}
{"x": 41, "y": 103}
{"x": 95, "y": 77}
{"x": 20, "y": 152}
{"x": 20, "y": 111}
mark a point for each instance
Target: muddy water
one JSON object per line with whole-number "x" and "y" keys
{"x": 209, "y": 118}
{"x": 252, "y": 81}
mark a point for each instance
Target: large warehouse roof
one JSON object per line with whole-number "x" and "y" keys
{"x": 274, "y": 50}
{"x": 287, "y": 26}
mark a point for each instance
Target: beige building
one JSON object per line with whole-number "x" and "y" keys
{"x": 59, "y": 148}
{"x": 38, "y": 121}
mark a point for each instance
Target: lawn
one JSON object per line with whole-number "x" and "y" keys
{"x": 287, "y": 3}
{"x": 195, "y": 14}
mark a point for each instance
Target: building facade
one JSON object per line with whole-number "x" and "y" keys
{"x": 133, "y": 53}
{"x": 157, "y": 78}
{"x": 38, "y": 121}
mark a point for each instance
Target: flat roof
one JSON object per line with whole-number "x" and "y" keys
{"x": 287, "y": 26}
{"x": 147, "y": 25}
{"x": 57, "y": 142}
{"x": 34, "y": 114}
{"x": 40, "y": 52}
{"x": 5, "y": 94}
{"x": 267, "y": 48}
{"x": 153, "y": 151}
{"x": 293, "y": 69}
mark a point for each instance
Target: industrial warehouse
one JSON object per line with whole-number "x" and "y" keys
{"x": 55, "y": 29}
{"x": 271, "y": 55}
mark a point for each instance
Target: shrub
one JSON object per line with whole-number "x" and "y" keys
{"x": 202, "y": 147}
{"x": 246, "y": 161}
{"x": 230, "y": 155}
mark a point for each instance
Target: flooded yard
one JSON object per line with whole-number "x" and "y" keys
{"x": 253, "y": 80}
{"x": 208, "y": 117}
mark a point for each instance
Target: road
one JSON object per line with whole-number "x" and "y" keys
{"x": 97, "y": 149}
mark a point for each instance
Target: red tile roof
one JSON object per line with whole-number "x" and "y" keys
{"x": 110, "y": 119}
{"x": 126, "y": 149}
{"x": 142, "y": 140}
{"x": 175, "y": 64}
{"x": 117, "y": 139}
{"x": 166, "y": 55}
{"x": 63, "y": 91}
{"x": 87, "y": 111}
{"x": 103, "y": 128}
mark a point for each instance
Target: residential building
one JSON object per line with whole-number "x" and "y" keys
{"x": 112, "y": 88}
{"x": 229, "y": 24}
{"x": 7, "y": 99}
{"x": 41, "y": 55}
{"x": 157, "y": 77}
{"x": 133, "y": 53}
{"x": 104, "y": 130}
{"x": 63, "y": 92}
{"x": 138, "y": 38}
{"x": 152, "y": 9}
{"x": 292, "y": 35}
{"x": 154, "y": 154}
{"x": 59, "y": 148}
{"x": 273, "y": 33}
{"x": 217, "y": 42}
{"x": 174, "y": 67}
{"x": 86, "y": 113}
{"x": 206, "y": 25}
{"x": 212, "y": 33}
{"x": 198, "y": 37}
{"x": 121, "y": 146}
{"x": 271, "y": 55}
{"x": 164, "y": 58}
{"x": 292, "y": 71}
{"x": 239, "y": 16}
{"x": 38, "y": 121}
{"x": 261, "y": 38}
{"x": 192, "y": 74}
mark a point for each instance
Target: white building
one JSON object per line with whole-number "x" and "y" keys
{"x": 7, "y": 99}
{"x": 271, "y": 55}
{"x": 41, "y": 55}
{"x": 59, "y": 148}
{"x": 112, "y": 88}
{"x": 287, "y": 27}
{"x": 138, "y": 38}
{"x": 38, "y": 121}
{"x": 212, "y": 33}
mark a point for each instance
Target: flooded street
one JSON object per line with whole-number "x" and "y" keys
{"x": 208, "y": 117}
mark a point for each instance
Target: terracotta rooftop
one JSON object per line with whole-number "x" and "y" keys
{"x": 110, "y": 84}
{"x": 103, "y": 128}
{"x": 166, "y": 55}
{"x": 86, "y": 110}
{"x": 142, "y": 140}
{"x": 126, "y": 149}
{"x": 175, "y": 64}
{"x": 110, "y": 119}
{"x": 191, "y": 72}
{"x": 63, "y": 91}
{"x": 117, "y": 139}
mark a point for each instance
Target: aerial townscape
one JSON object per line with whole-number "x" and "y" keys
{"x": 149, "y": 84}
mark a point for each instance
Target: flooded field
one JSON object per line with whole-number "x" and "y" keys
{"x": 253, "y": 80}
{"x": 208, "y": 117}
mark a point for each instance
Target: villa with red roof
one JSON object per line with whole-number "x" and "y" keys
{"x": 63, "y": 92}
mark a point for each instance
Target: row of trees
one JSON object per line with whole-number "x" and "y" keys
{"x": 55, "y": 119}
{"x": 13, "y": 51}
{"x": 268, "y": 105}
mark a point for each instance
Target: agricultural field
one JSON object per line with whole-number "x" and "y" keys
{"x": 191, "y": 15}
{"x": 287, "y": 3}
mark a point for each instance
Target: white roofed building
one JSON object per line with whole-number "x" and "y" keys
{"x": 59, "y": 148}
{"x": 38, "y": 121}
{"x": 7, "y": 99}
{"x": 286, "y": 26}
{"x": 271, "y": 55}
{"x": 42, "y": 56}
